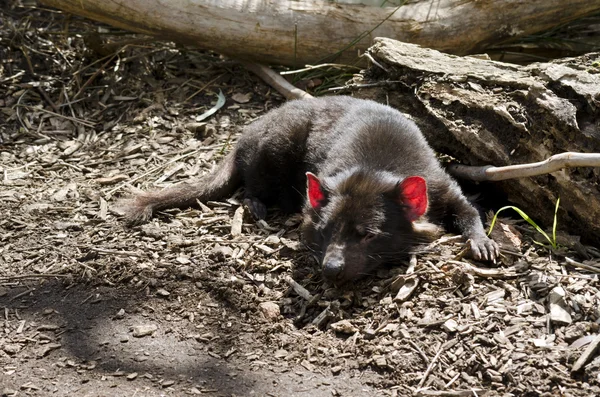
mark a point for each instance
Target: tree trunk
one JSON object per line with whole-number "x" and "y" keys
{"x": 297, "y": 32}
{"x": 484, "y": 112}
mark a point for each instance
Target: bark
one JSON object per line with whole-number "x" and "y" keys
{"x": 489, "y": 113}
{"x": 297, "y": 32}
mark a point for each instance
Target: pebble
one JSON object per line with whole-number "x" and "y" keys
{"x": 270, "y": 310}
{"x": 144, "y": 330}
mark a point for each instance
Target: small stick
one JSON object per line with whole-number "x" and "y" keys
{"x": 445, "y": 346}
{"x": 551, "y": 164}
{"x": 34, "y": 75}
{"x": 591, "y": 268}
{"x": 367, "y": 55}
{"x": 322, "y": 65}
{"x": 21, "y": 294}
{"x": 300, "y": 290}
{"x": 275, "y": 80}
{"x": 94, "y": 75}
{"x": 418, "y": 349}
{"x": 114, "y": 252}
{"x": 485, "y": 272}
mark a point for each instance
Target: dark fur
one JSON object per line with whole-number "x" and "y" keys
{"x": 360, "y": 151}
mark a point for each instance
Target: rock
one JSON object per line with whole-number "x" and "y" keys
{"x": 344, "y": 327}
{"x": 140, "y": 331}
{"x": 270, "y": 310}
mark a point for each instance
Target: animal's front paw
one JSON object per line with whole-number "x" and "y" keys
{"x": 484, "y": 248}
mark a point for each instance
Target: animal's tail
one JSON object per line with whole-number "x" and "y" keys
{"x": 219, "y": 184}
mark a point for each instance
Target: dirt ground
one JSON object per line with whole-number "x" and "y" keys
{"x": 183, "y": 306}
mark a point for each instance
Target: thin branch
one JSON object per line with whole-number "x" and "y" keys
{"x": 449, "y": 344}
{"x": 275, "y": 80}
{"x": 320, "y": 66}
{"x": 552, "y": 164}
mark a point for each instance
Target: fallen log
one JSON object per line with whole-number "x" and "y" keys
{"x": 482, "y": 112}
{"x": 297, "y": 32}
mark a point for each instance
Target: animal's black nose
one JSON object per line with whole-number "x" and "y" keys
{"x": 333, "y": 268}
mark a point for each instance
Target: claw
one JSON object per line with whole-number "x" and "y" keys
{"x": 483, "y": 248}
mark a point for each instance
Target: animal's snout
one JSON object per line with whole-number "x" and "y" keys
{"x": 332, "y": 267}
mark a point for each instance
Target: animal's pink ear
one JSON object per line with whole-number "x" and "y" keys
{"x": 314, "y": 191}
{"x": 413, "y": 193}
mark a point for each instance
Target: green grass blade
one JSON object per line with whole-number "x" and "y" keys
{"x": 555, "y": 222}
{"x": 526, "y": 218}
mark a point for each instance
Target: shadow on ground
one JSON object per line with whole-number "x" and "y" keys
{"x": 78, "y": 340}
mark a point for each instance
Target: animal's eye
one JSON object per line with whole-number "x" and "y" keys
{"x": 361, "y": 231}
{"x": 369, "y": 236}
{"x": 364, "y": 234}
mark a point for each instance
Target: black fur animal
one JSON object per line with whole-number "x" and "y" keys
{"x": 362, "y": 172}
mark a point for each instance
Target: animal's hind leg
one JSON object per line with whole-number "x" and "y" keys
{"x": 258, "y": 194}
{"x": 257, "y": 208}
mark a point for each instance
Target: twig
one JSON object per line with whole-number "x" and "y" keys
{"x": 551, "y": 164}
{"x": 374, "y": 62}
{"x": 418, "y": 349}
{"x": 367, "y": 85}
{"x": 34, "y": 75}
{"x": 320, "y": 66}
{"x": 114, "y": 252}
{"x": 281, "y": 85}
{"x": 21, "y": 294}
{"x": 485, "y": 272}
{"x": 93, "y": 76}
{"x": 202, "y": 88}
{"x": 445, "y": 346}
{"x": 300, "y": 290}
{"x": 591, "y": 268}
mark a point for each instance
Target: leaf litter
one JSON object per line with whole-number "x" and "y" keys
{"x": 207, "y": 301}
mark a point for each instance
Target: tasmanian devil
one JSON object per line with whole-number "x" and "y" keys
{"x": 362, "y": 172}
